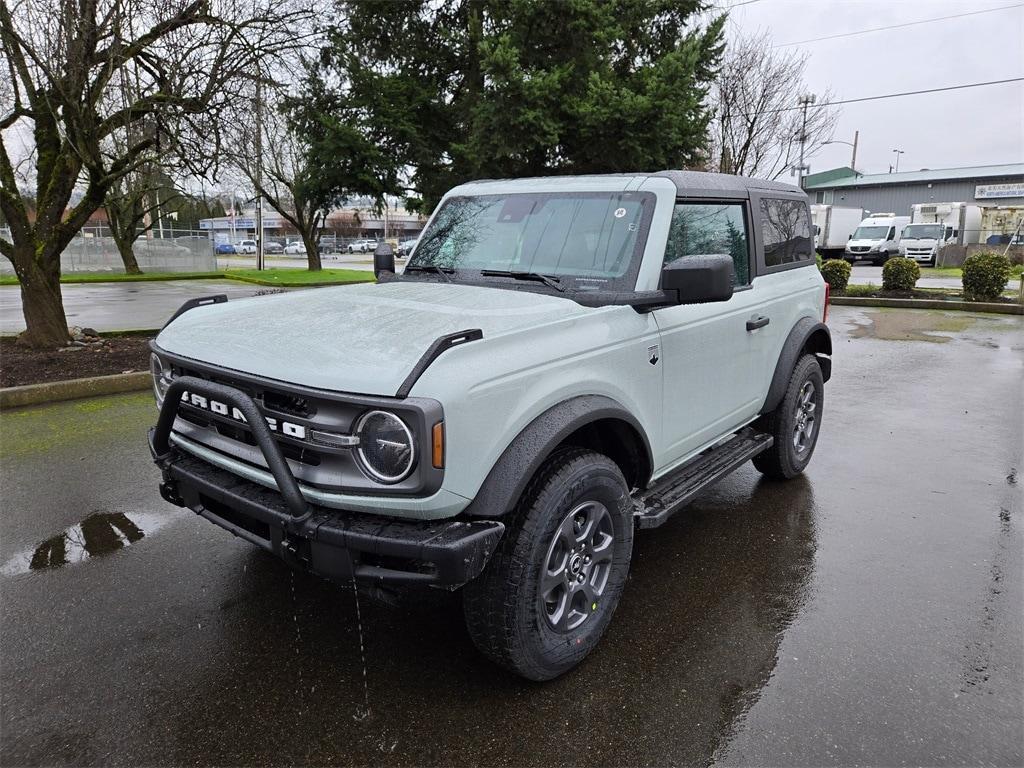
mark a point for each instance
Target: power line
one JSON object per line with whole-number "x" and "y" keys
{"x": 896, "y": 26}
{"x": 894, "y": 95}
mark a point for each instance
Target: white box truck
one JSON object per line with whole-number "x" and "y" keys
{"x": 876, "y": 238}
{"x": 834, "y": 225}
{"x": 933, "y": 225}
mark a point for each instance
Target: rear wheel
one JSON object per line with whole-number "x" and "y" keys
{"x": 550, "y": 590}
{"x": 795, "y": 423}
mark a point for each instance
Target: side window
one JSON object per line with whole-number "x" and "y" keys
{"x": 786, "y": 228}
{"x": 892, "y": 233}
{"x": 700, "y": 229}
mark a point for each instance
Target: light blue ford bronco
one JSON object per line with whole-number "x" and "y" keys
{"x": 561, "y": 362}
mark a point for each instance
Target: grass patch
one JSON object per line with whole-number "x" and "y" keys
{"x": 958, "y": 273}
{"x": 300, "y": 277}
{"x": 115, "y": 277}
{"x": 281, "y": 276}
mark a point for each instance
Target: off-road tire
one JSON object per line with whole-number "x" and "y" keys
{"x": 504, "y": 614}
{"x": 783, "y": 460}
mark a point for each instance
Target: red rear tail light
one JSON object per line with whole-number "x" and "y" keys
{"x": 824, "y": 314}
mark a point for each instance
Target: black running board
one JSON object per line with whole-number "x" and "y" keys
{"x": 655, "y": 505}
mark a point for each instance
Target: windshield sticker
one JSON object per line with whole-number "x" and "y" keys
{"x": 619, "y": 213}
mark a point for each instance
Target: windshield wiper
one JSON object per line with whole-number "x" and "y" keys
{"x": 432, "y": 268}
{"x": 549, "y": 280}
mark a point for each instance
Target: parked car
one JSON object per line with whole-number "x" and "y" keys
{"x": 246, "y": 246}
{"x": 272, "y": 246}
{"x": 405, "y": 247}
{"x": 295, "y": 247}
{"x": 362, "y": 246}
{"x": 224, "y": 248}
{"x": 562, "y": 362}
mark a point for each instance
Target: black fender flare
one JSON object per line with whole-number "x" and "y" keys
{"x": 808, "y": 335}
{"x": 522, "y": 458}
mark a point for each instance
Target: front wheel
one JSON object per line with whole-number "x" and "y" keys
{"x": 795, "y": 423}
{"x": 550, "y": 590}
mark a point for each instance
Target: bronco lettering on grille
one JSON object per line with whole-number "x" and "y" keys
{"x": 222, "y": 409}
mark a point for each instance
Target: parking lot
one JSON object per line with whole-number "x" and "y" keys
{"x": 867, "y": 613}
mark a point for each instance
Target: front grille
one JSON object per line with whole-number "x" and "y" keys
{"x": 296, "y": 412}
{"x": 860, "y": 248}
{"x": 272, "y": 403}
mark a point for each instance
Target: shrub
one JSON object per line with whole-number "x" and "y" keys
{"x": 900, "y": 274}
{"x": 817, "y": 259}
{"x": 985, "y": 275}
{"x": 836, "y": 273}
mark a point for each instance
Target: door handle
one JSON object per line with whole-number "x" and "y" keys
{"x": 757, "y": 321}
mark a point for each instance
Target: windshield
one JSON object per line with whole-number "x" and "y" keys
{"x": 922, "y": 231}
{"x": 588, "y": 240}
{"x": 870, "y": 233}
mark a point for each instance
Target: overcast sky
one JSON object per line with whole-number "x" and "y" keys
{"x": 977, "y": 126}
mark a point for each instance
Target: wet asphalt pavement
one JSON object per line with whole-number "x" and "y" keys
{"x": 868, "y": 613}
{"x": 122, "y": 306}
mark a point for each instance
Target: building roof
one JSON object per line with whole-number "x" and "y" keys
{"x": 912, "y": 177}
{"x": 812, "y": 179}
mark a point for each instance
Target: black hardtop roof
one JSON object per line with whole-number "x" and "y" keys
{"x": 688, "y": 181}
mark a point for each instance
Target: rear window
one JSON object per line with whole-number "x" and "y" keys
{"x": 786, "y": 230}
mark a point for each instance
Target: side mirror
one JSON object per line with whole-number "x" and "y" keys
{"x": 383, "y": 260}
{"x": 698, "y": 279}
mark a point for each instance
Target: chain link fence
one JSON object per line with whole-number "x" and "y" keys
{"x": 93, "y": 250}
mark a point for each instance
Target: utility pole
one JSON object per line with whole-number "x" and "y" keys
{"x": 853, "y": 160}
{"x": 805, "y": 101}
{"x": 259, "y": 171}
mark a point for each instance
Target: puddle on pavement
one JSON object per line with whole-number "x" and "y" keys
{"x": 99, "y": 534}
{"x": 911, "y": 326}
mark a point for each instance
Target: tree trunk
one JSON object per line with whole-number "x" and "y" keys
{"x": 124, "y": 247}
{"x": 312, "y": 253}
{"x": 46, "y": 326}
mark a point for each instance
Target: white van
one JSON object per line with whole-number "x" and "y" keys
{"x": 934, "y": 225}
{"x": 876, "y": 239}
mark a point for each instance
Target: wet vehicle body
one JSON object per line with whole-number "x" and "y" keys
{"x": 561, "y": 362}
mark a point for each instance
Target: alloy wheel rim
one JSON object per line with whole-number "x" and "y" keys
{"x": 806, "y": 420}
{"x": 576, "y": 567}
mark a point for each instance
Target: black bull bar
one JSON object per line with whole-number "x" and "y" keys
{"x": 336, "y": 544}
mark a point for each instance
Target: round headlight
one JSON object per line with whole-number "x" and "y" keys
{"x": 386, "y": 450}
{"x": 161, "y": 377}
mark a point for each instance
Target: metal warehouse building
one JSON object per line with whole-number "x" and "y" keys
{"x": 896, "y": 192}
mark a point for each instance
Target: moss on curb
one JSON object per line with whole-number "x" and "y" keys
{"x": 72, "y": 389}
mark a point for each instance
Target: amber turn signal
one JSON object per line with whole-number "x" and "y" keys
{"x": 437, "y": 452}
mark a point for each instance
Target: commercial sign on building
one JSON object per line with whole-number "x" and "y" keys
{"x": 988, "y": 191}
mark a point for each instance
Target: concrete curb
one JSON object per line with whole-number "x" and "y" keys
{"x": 963, "y": 306}
{"x": 72, "y": 389}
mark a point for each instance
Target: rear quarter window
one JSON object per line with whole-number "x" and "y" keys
{"x": 786, "y": 232}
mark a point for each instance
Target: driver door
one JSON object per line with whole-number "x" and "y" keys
{"x": 710, "y": 382}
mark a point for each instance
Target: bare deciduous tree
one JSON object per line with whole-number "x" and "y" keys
{"x": 756, "y": 126}
{"x": 83, "y": 72}
{"x": 274, "y": 160}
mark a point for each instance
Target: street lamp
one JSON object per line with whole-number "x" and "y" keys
{"x": 853, "y": 159}
{"x": 898, "y": 153}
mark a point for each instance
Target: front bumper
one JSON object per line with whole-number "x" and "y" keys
{"x": 337, "y": 545}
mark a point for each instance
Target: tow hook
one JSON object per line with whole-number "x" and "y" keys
{"x": 169, "y": 493}
{"x": 296, "y": 548}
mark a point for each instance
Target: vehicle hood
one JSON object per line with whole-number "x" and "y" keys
{"x": 361, "y": 338}
{"x": 866, "y": 242}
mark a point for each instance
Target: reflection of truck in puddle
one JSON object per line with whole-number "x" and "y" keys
{"x": 934, "y": 225}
